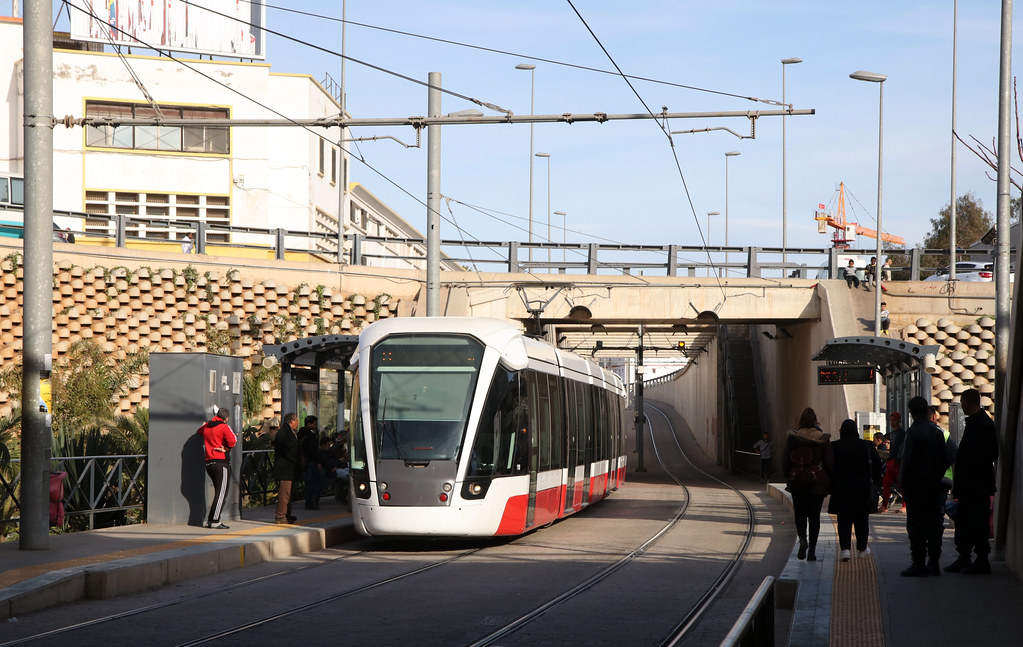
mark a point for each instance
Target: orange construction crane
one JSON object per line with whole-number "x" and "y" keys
{"x": 845, "y": 231}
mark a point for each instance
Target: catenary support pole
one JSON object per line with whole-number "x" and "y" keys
{"x": 1007, "y": 451}
{"x": 433, "y": 201}
{"x": 640, "y": 414}
{"x": 38, "y": 274}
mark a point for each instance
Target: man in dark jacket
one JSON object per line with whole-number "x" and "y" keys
{"x": 287, "y": 463}
{"x": 309, "y": 446}
{"x": 973, "y": 487}
{"x": 218, "y": 439}
{"x": 924, "y": 461}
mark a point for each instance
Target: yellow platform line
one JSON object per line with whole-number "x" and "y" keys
{"x": 17, "y": 575}
{"x": 855, "y": 603}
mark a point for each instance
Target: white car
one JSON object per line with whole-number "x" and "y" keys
{"x": 970, "y": 271}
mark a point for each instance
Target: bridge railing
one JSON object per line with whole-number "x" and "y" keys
{"x": 482, "y": 255}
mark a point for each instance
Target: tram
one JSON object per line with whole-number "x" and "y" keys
{"x": 464, "y": 427}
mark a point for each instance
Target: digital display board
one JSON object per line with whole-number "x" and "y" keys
{"x": 846, "y": 374}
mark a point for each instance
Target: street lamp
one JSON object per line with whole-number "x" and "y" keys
{"x": 532, "y": 88}
{"x": 873, "y": 77}
{"x": 547, "y": 156}
{"x": 709, "y": 214}
{"x": 784, "y": 205}
{"x": 564, "y": 229}
{"x": 727, "y": 155}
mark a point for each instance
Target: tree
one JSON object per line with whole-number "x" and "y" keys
{"x": 972, "y": 222}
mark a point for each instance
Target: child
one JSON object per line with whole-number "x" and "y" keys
{"x": 885, "y": 322}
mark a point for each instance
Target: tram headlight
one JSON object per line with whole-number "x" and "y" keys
{"x": 475, "y": 489}
{"x": 446, "y": 487}
{"x": 382, "y": 486}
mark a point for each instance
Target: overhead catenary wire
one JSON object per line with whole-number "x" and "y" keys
{"x": 527, "y": 57}
{"x": 664, "y": 130}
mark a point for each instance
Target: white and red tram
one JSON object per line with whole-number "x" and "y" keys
{"x": 466, "y": 427}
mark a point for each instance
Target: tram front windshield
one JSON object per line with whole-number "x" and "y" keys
{"x": 422, "y": 387}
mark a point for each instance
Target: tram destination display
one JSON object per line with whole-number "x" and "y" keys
{"x": 846, "y": 374}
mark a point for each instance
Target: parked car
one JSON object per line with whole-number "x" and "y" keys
{"x": 971, "y": 271}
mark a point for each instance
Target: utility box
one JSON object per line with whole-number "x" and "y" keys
{"x": 869, "y": 423}
{"x": 185, "y": 390}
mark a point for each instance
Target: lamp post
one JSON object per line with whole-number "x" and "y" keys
{"x": 873, "y": 77}
{"x": 784, "y": 205}
{"x": 547, "y": 156}
{"x": 727, "y": 155}
{"x": 709, "y": 214}
{"x": 564, "y": 229}
{"x": 532, "y": 94}
{"x": 952, "y": 203}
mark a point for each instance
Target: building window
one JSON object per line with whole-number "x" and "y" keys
{"x": 333, "y": 164}
{"x": 189, "y": 139}
{"x": 162, "y": 216}
{"x": 322, "y": 159}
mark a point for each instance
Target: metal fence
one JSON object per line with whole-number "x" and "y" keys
{"x": 102, "y": 491}
{"x": 492, "y": 256}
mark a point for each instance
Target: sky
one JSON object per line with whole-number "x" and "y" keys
{"x": 622, "y": 181}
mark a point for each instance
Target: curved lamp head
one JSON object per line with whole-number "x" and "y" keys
{"x": 525, "y": 66}
{"x": 790, "y": 61}
{"x": 732, "y": 153}
{"x": 872, "y": 77}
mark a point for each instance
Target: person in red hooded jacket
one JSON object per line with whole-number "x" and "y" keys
{"x": 218, "y": 440}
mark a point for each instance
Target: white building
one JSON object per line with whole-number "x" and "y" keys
{"x": 245, "y": 177}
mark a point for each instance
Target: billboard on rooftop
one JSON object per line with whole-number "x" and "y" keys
{"x": 215, "y": 27}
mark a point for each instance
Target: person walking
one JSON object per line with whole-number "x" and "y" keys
{"x": 857, "y": 467}
{"x": 808, "y": 463}
{"x": 218, "y": 439}
{"x": 287, "y": 463}
{"x": 896, "y": 437}
{"x": 973, "y": 487}
{"x": 763, "y": 447}
{"x": 924, "y": 461}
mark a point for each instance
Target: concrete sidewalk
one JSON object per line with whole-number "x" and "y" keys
{"x": 866, "y": 602}
{"x": 102, "y": 564}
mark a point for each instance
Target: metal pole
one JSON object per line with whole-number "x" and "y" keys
{"x": 38, "y": 274}
{"x": 784, "y": 196}
{"x": 342, "y": 198}
{"x": 952, "y": 203}
{"x": 433, "y": 201}
{"x": 549, "y": 240}
{"x": 727, "y": 155}
{"x": 1002, "y": 311}
{"x": 640, "y": 415}
{"x": 880, "y": 233}
{"x": 532, "y": 93}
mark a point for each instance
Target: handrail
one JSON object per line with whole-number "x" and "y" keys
{"x": 755, "y": 625}
{"x": 590, "y": 258}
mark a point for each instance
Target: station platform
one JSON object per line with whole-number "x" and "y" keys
{"x": 106, "y": 563}
{"x": 865, "y": 602}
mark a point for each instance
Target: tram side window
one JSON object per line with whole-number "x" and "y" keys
{"x": 544, "y": 418}
{"x": 502, "y": 442}
{"x": 588, "y": 423}
{"x": 557, "y": 423}
{"x": 357, "y": 439}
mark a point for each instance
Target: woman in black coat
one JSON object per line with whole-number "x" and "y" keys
{"x": 857, "y": 465}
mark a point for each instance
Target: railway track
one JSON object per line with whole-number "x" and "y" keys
{"x": 642, "y": 568}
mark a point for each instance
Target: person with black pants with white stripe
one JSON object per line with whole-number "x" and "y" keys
{"x": 218, "y": 439}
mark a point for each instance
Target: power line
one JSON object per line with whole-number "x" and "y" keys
{"x": 517, "y": 55}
